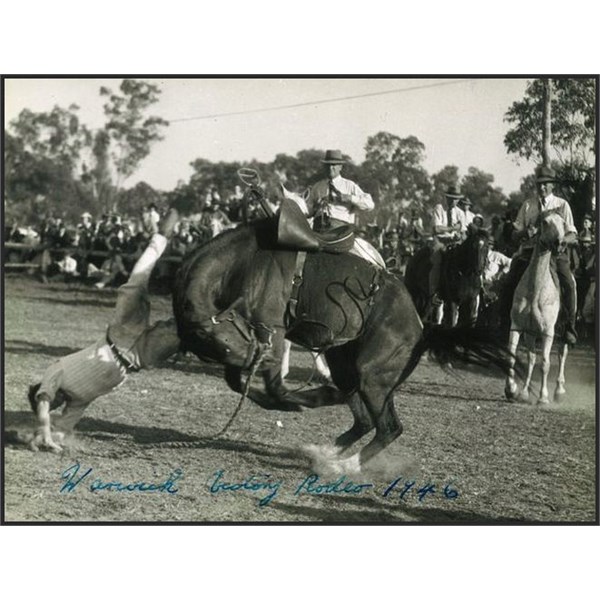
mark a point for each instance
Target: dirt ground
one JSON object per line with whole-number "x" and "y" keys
{"x": 466, "y": 456}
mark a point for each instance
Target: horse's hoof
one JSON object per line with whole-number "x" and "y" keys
{"x": 544, "y": 402}
{"x": 288, "y": 405}
{"x": 559, "y": 396}
{"x": 510, "y": 391}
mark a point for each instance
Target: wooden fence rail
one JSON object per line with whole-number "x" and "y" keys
{"x": 25, "y": 249}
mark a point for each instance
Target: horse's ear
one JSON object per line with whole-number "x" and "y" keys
{"x": 285, "y": 192}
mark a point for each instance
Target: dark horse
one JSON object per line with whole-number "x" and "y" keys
{"x": 461, "y": 274}
{"x": 230, "y": 299}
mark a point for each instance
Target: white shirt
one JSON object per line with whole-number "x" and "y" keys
{"x": 440, "y": 219}
{"x": 530, "y": 210}
{"x": 468, "y": 217}
{"x": 68, "y": 265}
{"x": 351, "y": 194}
{"x": 496, "y": 263}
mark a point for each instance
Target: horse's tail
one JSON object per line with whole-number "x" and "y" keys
{"x": 465, "y": 344}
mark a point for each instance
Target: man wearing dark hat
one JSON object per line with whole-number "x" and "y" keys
{"x": 335, "y": 201}
{"x": 448, "y": 223}
{"x": 525, "y": 232}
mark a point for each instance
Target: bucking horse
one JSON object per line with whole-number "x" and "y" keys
{"x": 239, "y": 296}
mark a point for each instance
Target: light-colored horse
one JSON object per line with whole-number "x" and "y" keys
{"x": 535, "y": 309}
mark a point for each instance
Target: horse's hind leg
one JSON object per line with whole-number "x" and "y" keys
{"x": 363, "y": 423}
{"x": 377, "y": 396}
{"x": 387, "y": 424}
{"x": 560, "y": 391}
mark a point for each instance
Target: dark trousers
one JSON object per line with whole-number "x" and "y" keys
{"x": 568, "y": 289}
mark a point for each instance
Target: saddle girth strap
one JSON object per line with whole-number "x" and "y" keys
{"x": 296, "y": 284}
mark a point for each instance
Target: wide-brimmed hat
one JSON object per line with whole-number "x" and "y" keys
{"x": 333, "y": 157}
{"x": 453, "y": 192}
{"x": 465, "y": 200}
{"x": 86, "y": 215}
{"x": 545, "y": 174}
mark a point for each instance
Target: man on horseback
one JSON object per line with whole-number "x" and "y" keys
{"x": 448, "y": 223}
{"x": 526, "y": 232}
{"x": 335, "y": 201}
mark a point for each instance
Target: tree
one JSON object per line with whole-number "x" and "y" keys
{"x": 129, "y": 133}
{"x": 135, "y": 199}
{"x": 39, "y": 167}
{"x": 393, "y": 167}
{"x": 573, "y": 126}
{"x": 57, "y": 135}
{"x": 55, "y": 164}
{"x": 487, "y": 199}
{"x": 441, "y": 181}
{"x": 573, "y": 122}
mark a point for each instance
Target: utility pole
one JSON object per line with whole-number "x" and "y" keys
{"x": 547, "y": 122}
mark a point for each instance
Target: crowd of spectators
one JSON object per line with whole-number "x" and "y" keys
{"x": 102, "y": 251}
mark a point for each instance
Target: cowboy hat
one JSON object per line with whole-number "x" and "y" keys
{"x": 453, "y": 192}
{"x": 465, "y": 200}
{"x": 545, "y": 174}
{"x": 333, "y": 157}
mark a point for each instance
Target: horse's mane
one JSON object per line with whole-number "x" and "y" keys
{"x": 216, "y": 245}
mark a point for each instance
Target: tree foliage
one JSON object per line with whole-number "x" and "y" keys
{"x": 478, "y": 187}
{"x": 54, "y": 164}
{"x": 573, "y": 122}
{"x": 130, "y": 131}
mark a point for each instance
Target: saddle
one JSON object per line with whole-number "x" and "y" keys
{"x": 295, "y": 233}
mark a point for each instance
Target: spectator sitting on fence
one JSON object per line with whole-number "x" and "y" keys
{"x": 112, "y": 273}
{"x": 183, "y": 239}
{"x": 63, "y": 269}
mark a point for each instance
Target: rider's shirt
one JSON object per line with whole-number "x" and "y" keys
{"x": 467, "y": 218}
{"x": 353, "y": 197}
{"x": 84, "y": 375}
{"x": 440, "y": 219}
{"x": 529, "y": 213}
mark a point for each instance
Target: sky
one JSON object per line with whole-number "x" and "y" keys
{"x": 460, "y": 121}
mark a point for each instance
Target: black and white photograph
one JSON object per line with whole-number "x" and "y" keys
{"x": 300, "y": 299}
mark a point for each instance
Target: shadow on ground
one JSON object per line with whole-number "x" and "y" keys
{"x": 372, "y": 510}
{"x": 25, "y": 347}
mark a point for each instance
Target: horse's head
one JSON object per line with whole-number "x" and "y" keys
{"x": 476, "y": 250}
{"x": 552, "y": 230}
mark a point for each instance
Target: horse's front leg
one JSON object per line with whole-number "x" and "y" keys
{"x": 524, "y": 395}
{"x": 546, "y": 348}
{"x": 560, "y": 391}
{"x": 510, "y": 388}
{"x": 285, "y": 361}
